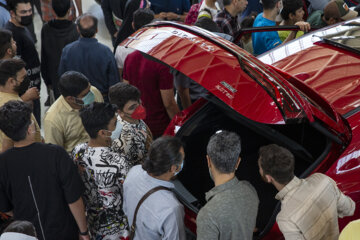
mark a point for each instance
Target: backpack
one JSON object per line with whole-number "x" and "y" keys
{"x": 193, "y": 13}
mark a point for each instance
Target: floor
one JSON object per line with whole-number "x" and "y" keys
{"x": 103, "y": 36}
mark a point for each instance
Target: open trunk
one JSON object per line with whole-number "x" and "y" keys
{"x": 307, "y": 144}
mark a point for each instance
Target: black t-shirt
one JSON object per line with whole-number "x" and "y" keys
{"x": 45, "y": 173}
{"x": 27, "y": 51}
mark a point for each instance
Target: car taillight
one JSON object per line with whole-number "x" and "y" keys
{"x": 182, "y": 117}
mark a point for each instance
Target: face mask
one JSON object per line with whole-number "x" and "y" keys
{"x": 88, "y": 99}
{"x": 116, "y": 133}
{"x": 139, "y": 113}
{"x": 26, "y": 20}
{"x": 181, "y": 167}
{"x": 23, "y": 86}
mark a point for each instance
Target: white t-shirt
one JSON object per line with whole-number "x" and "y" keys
{"x": 213, "y": 11}
{"x": 121, "y": 54}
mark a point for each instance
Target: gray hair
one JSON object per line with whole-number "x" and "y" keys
{"x": 224, "y": 150}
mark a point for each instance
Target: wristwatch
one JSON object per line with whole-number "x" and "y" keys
{"x": 84, "y": 233}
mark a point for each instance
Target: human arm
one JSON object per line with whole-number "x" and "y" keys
{"x": 182, "y": 84}
{"x": 79, "y": 6}
{"x": 161, "y": 15}
{"x": 52, "y": 133}
{"x": 176, "y": 17}
{"x": 206, "y": 228}
{"x": 72, "y": 187}
{"x": 173, "y": 224}
{"x": 345, "y": 205}
{"x": 112, "y": 71}
{"x": 168, "y": 100}
{"x": 184, "y": 95}
{"x": 166, "y": 86}
{"x": 77, "y": 209}
{"x": 304, "y": 26}
{"x": 289, "y": 230}
{"x": 30, "y": 94}
{"x": 107, "y": 11}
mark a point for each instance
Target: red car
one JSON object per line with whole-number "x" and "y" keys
{"x": 306, "y": 100}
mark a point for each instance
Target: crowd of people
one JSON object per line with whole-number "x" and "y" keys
{"x": 102, "y": 168}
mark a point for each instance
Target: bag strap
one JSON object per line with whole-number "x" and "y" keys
{"x": 151, "y": 191}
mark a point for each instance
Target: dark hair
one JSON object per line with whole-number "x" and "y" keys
{"x": 141, "y": 17}
{"x": 5, "y": 41}
{"x": 15, "y": 118}
{"x": 227, "y": 2}
{"x": 9, "y": 68}
{"x": 97, "y": 116}
{"x": 207, "y": 24}
{"x": 164, "y": 152}
{"x": 121, "y": 93}
{"x": 12, "y": 4}
{"x": 290, "y": 6}
{"x": 72, "y": 83}
{"x": 61, "y": 7}
{"x": 278, "y": 162}
{"x": 24, "y": 227}
{"x": 88, "y": 32}
{"x": 248, "y": 21}
{"x": 269, "y": 4}
{"x": 224, "y": 150}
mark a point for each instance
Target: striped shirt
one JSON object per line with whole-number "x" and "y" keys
{"x": 310, "y": 208}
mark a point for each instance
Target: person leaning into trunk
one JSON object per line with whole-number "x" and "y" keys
{"x": 310, "y": 207}
{"x": 232, "y": 205}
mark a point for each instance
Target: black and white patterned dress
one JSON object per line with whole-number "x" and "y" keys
{"x": 103, "y": 172}
{"x": 134, "y": 141}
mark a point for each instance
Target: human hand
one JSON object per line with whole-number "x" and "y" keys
{"x": 31, "y": 94}
{"x": 172, "y": 16}
{"x": 161, "y": 15}
{"x": 304, "y": 26}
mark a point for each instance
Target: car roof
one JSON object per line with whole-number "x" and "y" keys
{"x": 231, "y": 74}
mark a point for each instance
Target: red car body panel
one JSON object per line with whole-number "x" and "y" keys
{"x": 206, "y": 62}
{"x": 207, "y": 59}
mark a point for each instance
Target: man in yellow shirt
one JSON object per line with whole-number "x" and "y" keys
{"x": 62, "y": 122}
{"x": 13, "y": 79}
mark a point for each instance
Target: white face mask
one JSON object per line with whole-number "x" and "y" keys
{"x": 116, "y": 133}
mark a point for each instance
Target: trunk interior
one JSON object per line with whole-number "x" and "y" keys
{"x": 306, "y": 143}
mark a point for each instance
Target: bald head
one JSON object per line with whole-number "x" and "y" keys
{"x": 87, "y": 25}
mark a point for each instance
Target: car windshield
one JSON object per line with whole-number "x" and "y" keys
{"x": 345, "y": 36}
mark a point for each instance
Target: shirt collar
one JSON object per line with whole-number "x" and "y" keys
{"x": 295, "y": 182}
{"x": 83, "y": 39}
{"x": 218, "y": 189}
{"x": 66, "y": 105}
{"x": 157, "y": 182}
